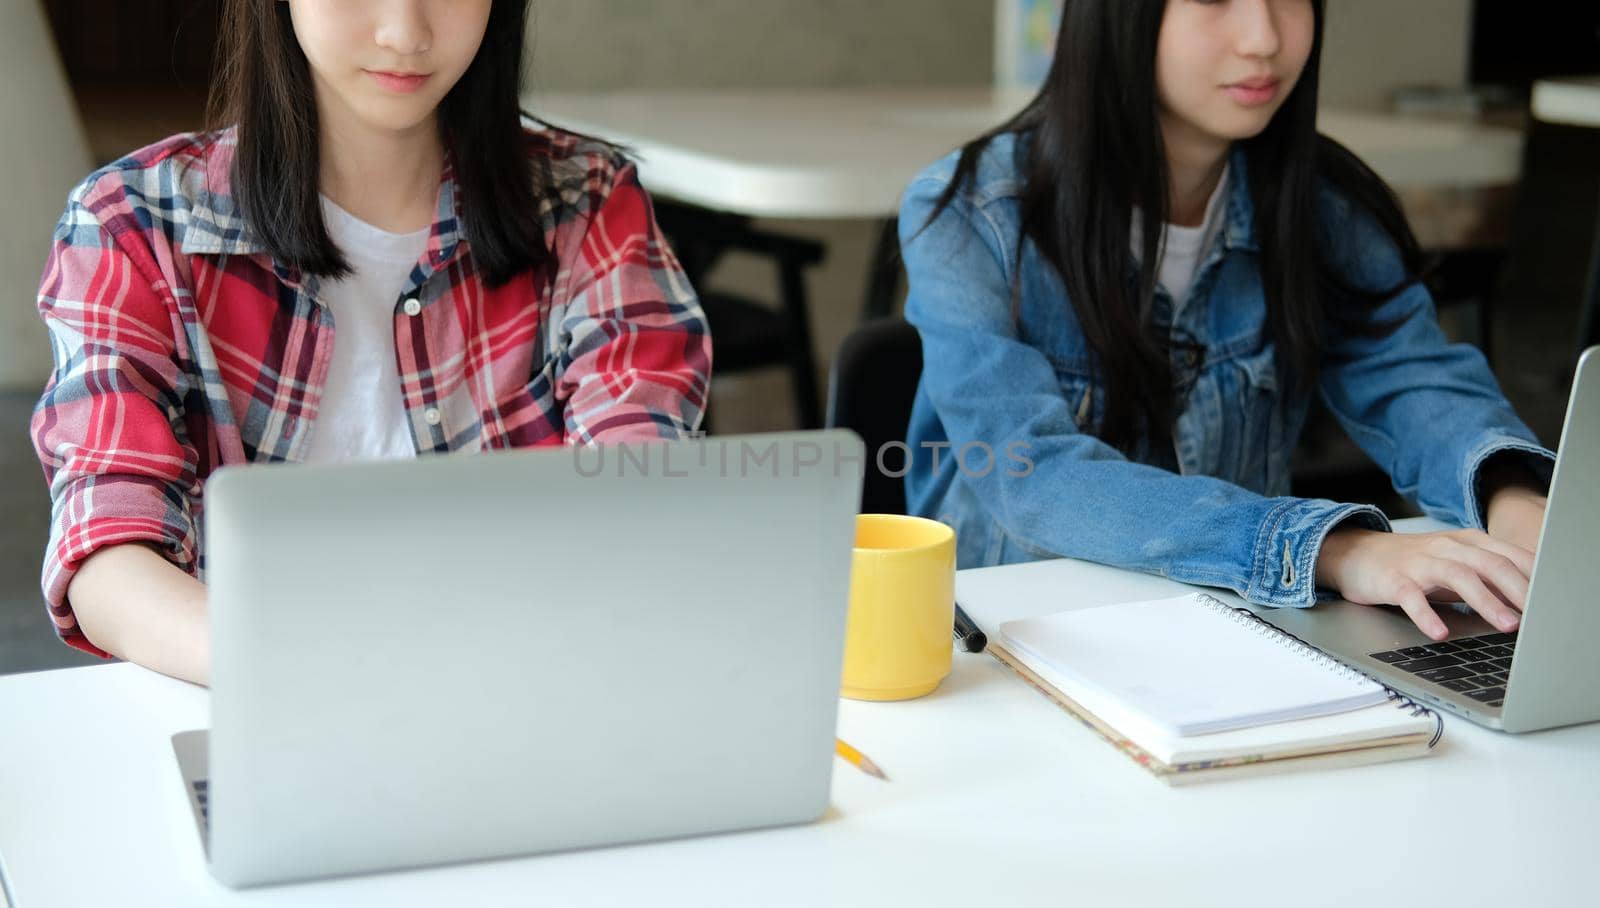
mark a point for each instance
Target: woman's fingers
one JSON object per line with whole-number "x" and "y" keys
{"x": 1410, "y": 598}
{"x": 1464, "y": 581}
{"x": 1507, "y": 579}
{"x": 1516, "y": 554}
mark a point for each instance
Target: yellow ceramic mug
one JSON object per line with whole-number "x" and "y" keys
{"x": 902, "y": 606}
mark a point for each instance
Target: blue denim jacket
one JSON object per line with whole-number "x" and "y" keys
{"x": 1000, "y": 433}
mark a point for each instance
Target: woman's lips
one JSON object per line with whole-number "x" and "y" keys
{"x": 401, "y": 83}
{"x": 1253, "y": 92}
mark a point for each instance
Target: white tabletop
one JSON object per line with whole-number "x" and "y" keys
{"x": 996, "y": 798}
{"x": 850, "y": 153}
{"x": 1573, "y": 102}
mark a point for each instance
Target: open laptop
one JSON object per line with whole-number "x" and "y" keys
{"x": 1544, "y": 675}
{"x": 459, "y": 658}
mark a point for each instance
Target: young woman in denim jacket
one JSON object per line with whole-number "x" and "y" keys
{"x": 1128, "y": 295}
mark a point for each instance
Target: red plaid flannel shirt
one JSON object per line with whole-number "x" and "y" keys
{"x": 181, "y": 346}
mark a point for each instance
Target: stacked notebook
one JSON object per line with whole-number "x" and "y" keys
{"x": 1195, "y": 690}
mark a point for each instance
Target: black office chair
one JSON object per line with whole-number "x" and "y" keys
{"x": 1589, "y": 317}
{"x": 870, "y": 390}
{"x": 746, "y": 333}
{"x": 1553, "y": 260}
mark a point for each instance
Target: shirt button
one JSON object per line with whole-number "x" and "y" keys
{"x": 431, "y": 415}
{"x": 412, "y": 306}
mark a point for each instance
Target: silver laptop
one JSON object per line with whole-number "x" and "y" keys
{"x": 1548, "y": 672}
{"x": 459, "y": 658}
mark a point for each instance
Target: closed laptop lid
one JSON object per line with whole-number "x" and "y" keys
{"x": 466, "y": 657}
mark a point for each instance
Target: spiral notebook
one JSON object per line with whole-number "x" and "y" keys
{"x": 1190, "y": 683}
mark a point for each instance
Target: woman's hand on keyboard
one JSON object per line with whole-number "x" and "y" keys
{"x": 1413, "y": 570}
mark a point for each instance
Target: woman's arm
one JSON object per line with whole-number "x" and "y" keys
{"x": 1426, "y": 410}
{"x": 110, "y": 432}
{"x": 638, "y": 354}
{"x": 1082, "y": 498}
{"x": 1432, "y": 415}
{"x": 134, "y": 604}
{"x": 1517, "y": 502}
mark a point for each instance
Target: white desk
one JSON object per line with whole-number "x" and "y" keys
{"x": 850, "y": 153}
{"x": 997, "y": 798}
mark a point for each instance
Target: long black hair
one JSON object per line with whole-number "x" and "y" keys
{"x": 265, "y": 89}
{"x": 1092, "y": 150}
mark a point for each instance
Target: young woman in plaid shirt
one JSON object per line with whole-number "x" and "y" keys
{"x": 378, "y": 258}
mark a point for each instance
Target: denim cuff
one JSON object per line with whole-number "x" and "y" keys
{"x": 1284, "y": 571}
{"x": 1539, "y": 460}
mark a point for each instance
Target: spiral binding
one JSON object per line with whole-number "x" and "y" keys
{"x": 1251, "y": 621}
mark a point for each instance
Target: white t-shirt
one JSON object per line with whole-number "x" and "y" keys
{"x": 362, "y": 416}
{"x": 1184, "y": 248}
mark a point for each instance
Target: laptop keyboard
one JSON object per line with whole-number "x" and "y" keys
{"x": 1475, "y": 666}
{"x": 200, "y": 798}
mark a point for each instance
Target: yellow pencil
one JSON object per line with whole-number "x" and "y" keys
{"x": 857, "y": 758}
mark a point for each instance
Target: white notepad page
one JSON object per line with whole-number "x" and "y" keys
{"x": 1189, "y": 665}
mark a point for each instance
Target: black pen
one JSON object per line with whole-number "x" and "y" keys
{"x": 968, "y": 633}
